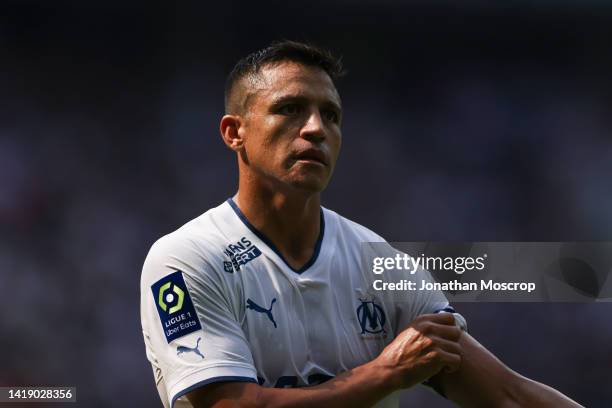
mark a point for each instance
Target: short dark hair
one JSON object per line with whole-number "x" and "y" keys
{"x": 278, "y": 51}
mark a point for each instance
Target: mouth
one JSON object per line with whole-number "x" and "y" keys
{"x": 311, "y": 156}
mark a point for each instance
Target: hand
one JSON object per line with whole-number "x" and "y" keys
{"x": 427, "y": 346}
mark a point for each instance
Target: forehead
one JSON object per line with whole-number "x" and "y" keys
{"x": 287, "y": 79}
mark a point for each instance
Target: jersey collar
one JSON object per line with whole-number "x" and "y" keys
{"x": 271, "y": 245}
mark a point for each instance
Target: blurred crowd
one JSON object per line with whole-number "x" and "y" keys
{"x": 485, "y": 123}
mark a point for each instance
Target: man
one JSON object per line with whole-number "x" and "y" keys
{"x": 264, "y": 301}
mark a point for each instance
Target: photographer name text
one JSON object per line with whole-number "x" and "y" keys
{"x": 454, "y": 285}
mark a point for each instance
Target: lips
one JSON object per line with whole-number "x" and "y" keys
{"x": 312, "y": 155}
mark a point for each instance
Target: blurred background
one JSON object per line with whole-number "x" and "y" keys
{"x": 474, "y": 121}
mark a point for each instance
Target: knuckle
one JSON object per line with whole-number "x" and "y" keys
{"x": 426, "y": 327}
{"x": 416, "y": 322}
{"x": 449, "y": 319}
{"x": 427, "y": 342}
{"x": 424, "y": 318}
{"x": 411, "y": 332}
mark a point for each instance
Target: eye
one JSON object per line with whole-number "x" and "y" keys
{"x": 290, "y": 109}
{"x": 330, "y": 115}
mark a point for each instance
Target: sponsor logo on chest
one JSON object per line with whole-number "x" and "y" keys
{"x": 239, "y": 253}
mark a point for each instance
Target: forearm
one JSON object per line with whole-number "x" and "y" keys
{"x": 362, "y": 386}
{"x": 420, "y": 351}
{"x": 484, "y": 381}
{"x": 529, "y": 393}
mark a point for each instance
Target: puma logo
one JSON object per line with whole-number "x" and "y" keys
{"x": 268, "y": 312}
{"x": 182, "y": 349}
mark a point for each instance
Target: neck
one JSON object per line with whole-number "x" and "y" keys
{"x": 290, "y": 219}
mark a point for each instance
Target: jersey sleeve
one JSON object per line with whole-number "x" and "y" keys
{"x": 190, "y": 323}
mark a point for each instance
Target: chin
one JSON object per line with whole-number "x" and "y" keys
{"x": 308, "y": 181}
{"x": 309, "y": 185}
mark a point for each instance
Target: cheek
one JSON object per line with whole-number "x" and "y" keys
{"x": 278, "y": 134}
{"x": 335, "y": 144}
{"x": 270, "y": 142}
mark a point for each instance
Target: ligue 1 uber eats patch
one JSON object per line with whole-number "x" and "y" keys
{"x": 174, "y": 305}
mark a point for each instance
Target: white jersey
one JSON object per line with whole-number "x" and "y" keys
{"x": 219, "y": 303}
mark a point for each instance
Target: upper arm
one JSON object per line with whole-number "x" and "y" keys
{"x": 482, "y": 379}
{"x": 191, "y": 329}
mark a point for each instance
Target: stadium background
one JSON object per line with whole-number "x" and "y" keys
{"x": 473, "y": 122}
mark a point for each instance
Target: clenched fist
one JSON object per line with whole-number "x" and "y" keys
{"x": 427, "y": 346}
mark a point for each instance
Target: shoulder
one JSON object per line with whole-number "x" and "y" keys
{"x": 194, "y": 248}
{"x": 349, "y": 229}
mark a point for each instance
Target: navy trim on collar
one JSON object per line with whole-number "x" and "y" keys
{"x": 269, "y": 243}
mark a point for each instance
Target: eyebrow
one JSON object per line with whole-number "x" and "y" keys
{"x": 298, "y": 98}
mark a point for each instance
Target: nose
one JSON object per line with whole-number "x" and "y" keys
{"x": 313, "y": 129}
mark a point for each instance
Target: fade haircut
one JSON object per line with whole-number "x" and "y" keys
{"x": 279, "y": 51}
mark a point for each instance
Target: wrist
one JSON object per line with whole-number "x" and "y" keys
{"x": 388, "y": 375}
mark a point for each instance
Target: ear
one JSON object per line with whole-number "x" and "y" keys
{"x": 230, "y": 132}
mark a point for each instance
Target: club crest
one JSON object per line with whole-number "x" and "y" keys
{"x": 371, "y": 317}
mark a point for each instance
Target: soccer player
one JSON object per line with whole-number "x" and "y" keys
{"x": 264, "y": 301}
